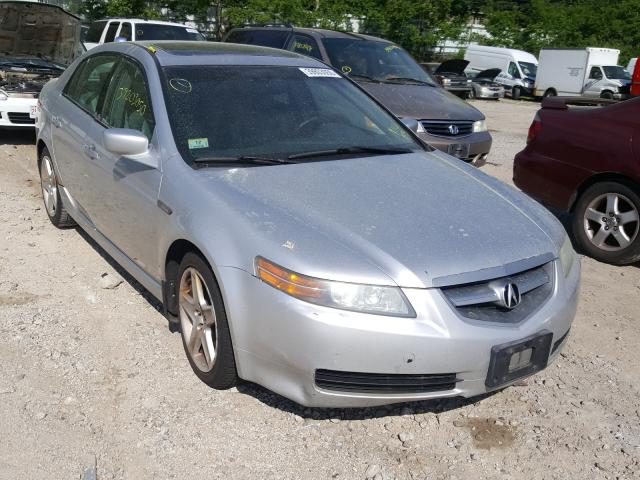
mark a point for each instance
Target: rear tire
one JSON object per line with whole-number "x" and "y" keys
{"x": 606, "y": 223}
{"x": 203, "y": 324}
{"x": 515, "y": 93}
{"x": 53, "y": 205}
{"x": 550, "y": 93}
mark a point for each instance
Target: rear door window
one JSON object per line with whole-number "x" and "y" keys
{"x": 95, "y": 32}
{"x": 111, "y": 32}
{"x": 264, "y": 38}
{"x": 305, "y": 45}
{"x": 127, "y": 102}
{"x": 87, "y": 86}
{"x": 125, "y": 31}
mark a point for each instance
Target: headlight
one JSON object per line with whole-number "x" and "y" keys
{"x": 376, "y": 299}
{"x": 567, "y": 256}
{"x": 3, "y": 96}
{"x": 446, "y": 81}
{"x": 480, "y": 126}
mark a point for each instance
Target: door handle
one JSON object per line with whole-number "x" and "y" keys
{"x": 56, "y": 121}
{"x": 90, "y": 151}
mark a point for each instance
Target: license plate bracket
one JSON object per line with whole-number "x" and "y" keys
{"x": 33, "y": 112}
{"x": 459, "y": 150}
{"x": 505, "y": 367}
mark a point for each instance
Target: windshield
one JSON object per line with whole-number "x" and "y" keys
{"x": 272, "y": 111}
{"x": 616, "y": 73}
{"x": 529, "y": 69}
{"x": 158, "y": 31}
{"x": 376, "y": 61}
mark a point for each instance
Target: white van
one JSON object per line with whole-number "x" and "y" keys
{"x": 518, "y": 68}
{"x": 631, "y": 65}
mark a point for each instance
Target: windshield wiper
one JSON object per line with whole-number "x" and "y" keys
{"x": 243, "y": 159}
{"x": 406, "y": 80}
{"x": 350, "y": 150}
{"x": 366, "y": 78}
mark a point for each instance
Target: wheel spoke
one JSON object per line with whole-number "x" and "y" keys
{"x": 594, "y": 215}
{"x": 622, "y": 238}
{"x": 600, "y": 237}
{"x": 190, "y": 310}
{"x": 208, "y": 347}
{"x": 195, "y": 341}
{"x": 612, "y": 203}
{"x": 197, "y": 290}
{"x": 627, "y": 217}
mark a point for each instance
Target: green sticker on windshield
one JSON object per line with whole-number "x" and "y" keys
{"x": 198, "y": 143}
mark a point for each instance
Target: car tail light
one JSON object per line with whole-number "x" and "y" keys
{"x": 534, "y": 129}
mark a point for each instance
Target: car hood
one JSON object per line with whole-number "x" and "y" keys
{"x": 422, "y": 102}
{"x": 37, "y": 30}
{"x": 452, "y": 66}
{"x": 489, "y": 74}
{"x": 423, "y": 219}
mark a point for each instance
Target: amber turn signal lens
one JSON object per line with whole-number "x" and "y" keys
{"x": 293, "y": 283}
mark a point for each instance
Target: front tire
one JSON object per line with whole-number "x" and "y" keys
{"x": 203, "y": 324}
{"x": 53, "y": 205}
{"x": 607, "y": 95}
{"x": 606, "y": 223}
{"x": 515, "y": 93}
{"x": 550, "y": 93}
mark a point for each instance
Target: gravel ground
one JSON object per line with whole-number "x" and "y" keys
{"x": 92, "y": 377}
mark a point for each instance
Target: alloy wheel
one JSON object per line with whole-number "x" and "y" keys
{"x": 198, "y": 320}
{"x": 49, "y": 185}
{"x": 611, "y": 222}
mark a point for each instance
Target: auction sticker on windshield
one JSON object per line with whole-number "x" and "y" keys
{"x": 198, "y": 143}
{"x": 319, "y": 72}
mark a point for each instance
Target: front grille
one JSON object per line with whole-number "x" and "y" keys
{"x": 447, "y": 128}
{"x": 384, "y": 383}
{"x": 481, "y": 301}
{"x": 23, "y": 118}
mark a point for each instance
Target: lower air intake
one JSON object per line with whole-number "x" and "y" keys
{"x": 383, "y": 383}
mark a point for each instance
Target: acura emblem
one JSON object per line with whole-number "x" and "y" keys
{"x": 453, "y": 129}
{"x": 510, "y": 296}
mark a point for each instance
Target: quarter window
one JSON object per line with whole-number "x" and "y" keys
{"x": 127, "y": 103}
{"x": 95, "y": 32}
{"x": 306, "y": 46}
{"x": 89, "y": 81}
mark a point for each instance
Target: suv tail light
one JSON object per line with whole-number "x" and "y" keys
{"x": 534, "y": 129}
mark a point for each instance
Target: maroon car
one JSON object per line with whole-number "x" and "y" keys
{"x": 586, "y": 160}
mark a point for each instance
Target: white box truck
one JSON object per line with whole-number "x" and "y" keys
{"x": 589, "y": 72}
{"x": 517, "y": 68}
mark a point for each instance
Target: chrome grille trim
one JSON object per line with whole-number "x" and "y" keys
{"x": 479, "y": 301}
{"x": 440, "y": 128}
{"x": 485, "y": 293}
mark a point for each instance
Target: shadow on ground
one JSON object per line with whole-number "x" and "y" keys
{"x": 275, "y": 400}
{"x": 17, "y": 136}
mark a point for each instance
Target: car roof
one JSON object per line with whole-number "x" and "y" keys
{"x": 143, "y": 20}
{"x": 321, "y": 32}
{"x": 217, "y": 53}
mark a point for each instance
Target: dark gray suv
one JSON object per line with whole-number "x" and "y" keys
{"x": 391, "y": 75}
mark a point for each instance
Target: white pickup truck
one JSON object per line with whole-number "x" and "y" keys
{"x": 589, "y": 72}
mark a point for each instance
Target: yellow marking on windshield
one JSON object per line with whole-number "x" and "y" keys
{"x": 127, "y": 95}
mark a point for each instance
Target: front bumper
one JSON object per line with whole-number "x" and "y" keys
{"x": 15, "y": 112}
{"x": 483, "y": 92}
{"x": 280, "y": 342}
{"x": 479, "y": 145}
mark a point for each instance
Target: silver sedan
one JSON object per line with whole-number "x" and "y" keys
{"x": 301, "y": 236}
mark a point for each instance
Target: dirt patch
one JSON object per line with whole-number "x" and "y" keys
{"x": 488, "y": 433}
{"x": 18, "y": 299}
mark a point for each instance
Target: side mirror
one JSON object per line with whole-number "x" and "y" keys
{"x": 124, "y": 141}
{"x": 411, "y": 123}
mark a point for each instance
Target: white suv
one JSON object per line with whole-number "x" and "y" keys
{"x": 132, "y": 29}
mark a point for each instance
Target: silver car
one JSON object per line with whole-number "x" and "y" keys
{"x": 302, "y": 237}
